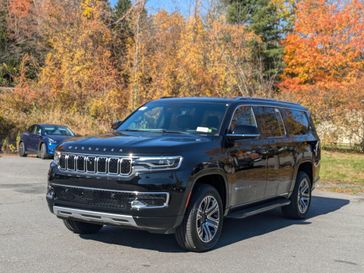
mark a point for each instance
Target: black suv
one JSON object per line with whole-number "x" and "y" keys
{"x": 180, "y": 165}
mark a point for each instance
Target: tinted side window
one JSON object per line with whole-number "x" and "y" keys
{"x": 296, "y": 122}
{"x": 243, "y": 121}
{"x": 269, "y": 121}
{"x": 35, "y": 129}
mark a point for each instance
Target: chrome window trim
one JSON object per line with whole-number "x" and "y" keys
{"x": 137, "y": 193}
{"x": 236, "y": 108}
{"x": 252, "y": 105}
{"x": 243, "y": 135}
{"x": 284, "y": 125}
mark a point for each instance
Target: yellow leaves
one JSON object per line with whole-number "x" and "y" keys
{"x": 187, "y": 57}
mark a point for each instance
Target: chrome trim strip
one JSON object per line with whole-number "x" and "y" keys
{"x": 95, "y": 216}
{"x": 137, "y": 193}
{"x": 243, "y": 135}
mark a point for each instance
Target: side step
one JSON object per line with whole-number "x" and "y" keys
{"x": 259, "y": 208}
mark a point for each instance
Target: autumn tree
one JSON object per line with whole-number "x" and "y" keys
{"x": 324, "y": 61}
{"x": 189, "y": 57}
{"x": 78, "y": 71}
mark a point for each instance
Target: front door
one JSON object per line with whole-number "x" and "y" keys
{"x": 34, "y": 138}
{"x": 246, "y": 165}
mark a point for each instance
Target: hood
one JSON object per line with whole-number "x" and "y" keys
{"x": 142, "y": 143}
{"x": 58, "y": 138}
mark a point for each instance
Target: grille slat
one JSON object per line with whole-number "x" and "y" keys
{"x": 95, "y": 164}
{"x": 71, "y": 162}
{"x": 101, "y": 164}
{"x": 90, "y": 162}
{"x": 80, "y": 163}
{"x": 113, "y": 165}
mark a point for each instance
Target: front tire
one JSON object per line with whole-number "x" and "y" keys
{"x": 21, "y": 151}
{"x": 201, "y": 227}
{"x": 81, "y": 227}
{"x": 43, "y": 151}
{"x": 300, "y": 198}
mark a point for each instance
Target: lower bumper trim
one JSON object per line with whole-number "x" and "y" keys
{"x": 95, "y": 216}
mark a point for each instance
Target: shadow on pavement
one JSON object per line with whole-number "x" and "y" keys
{"x": 233, "y": 231}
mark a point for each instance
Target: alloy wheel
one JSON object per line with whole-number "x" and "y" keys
{"x": 208, "y": 219}
{"x": 304, "y": 196}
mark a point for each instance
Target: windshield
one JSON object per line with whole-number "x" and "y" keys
{"x": 58, "y": 130}
{"x": 177, "y": 117}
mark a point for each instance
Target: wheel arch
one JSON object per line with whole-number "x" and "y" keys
{"x": 216, "y": 179}
{"x": 307, "y": 167}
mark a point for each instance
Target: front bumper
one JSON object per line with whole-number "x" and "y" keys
{"x": 111, "y": 200}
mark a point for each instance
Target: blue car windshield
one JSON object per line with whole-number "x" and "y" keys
{"x": 57, "y": 130}
{"x": 177, "y": 117}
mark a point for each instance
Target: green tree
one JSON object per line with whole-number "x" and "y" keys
{"x": 264, "y": 18}
{"x": 121, "y": 31}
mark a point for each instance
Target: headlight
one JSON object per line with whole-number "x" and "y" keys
{"x": 157, "y": 163}
{"x": 57, "y": 156}
{"x": 52, "y": 141}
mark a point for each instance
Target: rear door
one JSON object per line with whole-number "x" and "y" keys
{"x": 280, "y": 156}
{"x": 246, "y": 166}
{"x": 302, "y": 140}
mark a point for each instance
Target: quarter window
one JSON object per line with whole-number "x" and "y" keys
{"x": 243, "y": 121}
{"x": 296, "y": 122}
{"x": 269, "y": 121}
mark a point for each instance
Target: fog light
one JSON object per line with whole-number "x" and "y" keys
{"x": 150, "y": 200}
{"x": 51, "y": 194}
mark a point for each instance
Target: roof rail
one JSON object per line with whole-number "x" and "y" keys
{"x": 265, "y": 99}
{"x": 166, "y": 97}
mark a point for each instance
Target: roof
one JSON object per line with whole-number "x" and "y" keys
{"x": 248, "y": 100}
{"x": 49, "y": 124}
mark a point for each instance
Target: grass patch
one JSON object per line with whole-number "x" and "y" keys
{"x": 342, "y": 172}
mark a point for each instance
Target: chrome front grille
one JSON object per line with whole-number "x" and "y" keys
{"x": 93, "y": 164}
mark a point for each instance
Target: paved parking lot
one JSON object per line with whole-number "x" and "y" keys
{"x": 33, "y": 240}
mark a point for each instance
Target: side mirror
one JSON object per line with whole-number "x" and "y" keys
{"x": 115, "y": 125}
{"x": 243, "y": 132}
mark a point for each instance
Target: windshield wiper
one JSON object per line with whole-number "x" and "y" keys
{"x": 157, "y": 131}
{"x": 173, "y": 132}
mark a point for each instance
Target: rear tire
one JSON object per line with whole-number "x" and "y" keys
{"x": 300, "y": 198}
{"x": 81, "y": 227}
{"x": 201, "y": 227}
{"x": 21, "y": 151}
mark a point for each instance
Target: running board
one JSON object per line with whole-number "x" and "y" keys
{"x": 256, "y": 209}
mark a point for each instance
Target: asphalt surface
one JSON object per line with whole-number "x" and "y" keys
{"x": 34, "y": 240}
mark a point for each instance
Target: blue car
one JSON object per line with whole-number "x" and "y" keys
{"x": 43, "y": 139}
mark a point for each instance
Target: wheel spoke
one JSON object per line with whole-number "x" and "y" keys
{"x": 213, "y": 209}
{"x": 212, "y": 223}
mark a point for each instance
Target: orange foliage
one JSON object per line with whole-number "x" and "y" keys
{"x": 326, "y": 45}
{"x": 19, "y": 8}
